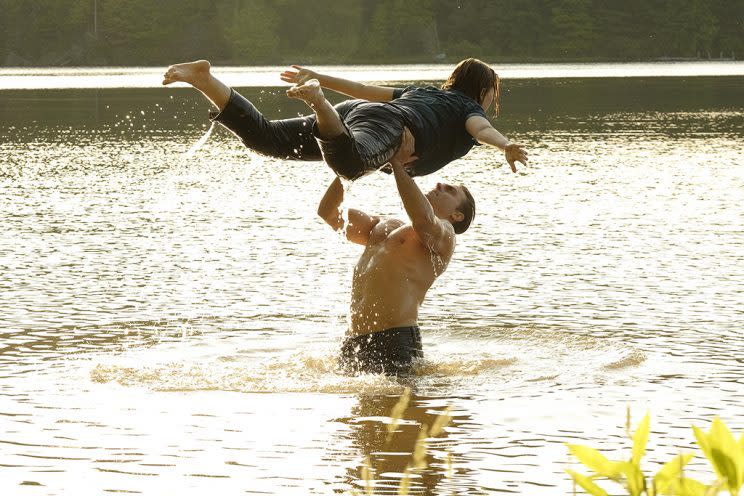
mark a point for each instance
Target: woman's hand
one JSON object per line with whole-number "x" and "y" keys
{"x": 515, "y": 153}
{"x": 299, "y": 76}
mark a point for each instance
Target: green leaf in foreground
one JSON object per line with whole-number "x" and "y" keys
{"x": 702, "y": 440}
{"x": 442, "y": 420}
{"x": 640, "y": 438}
{"x": 687, "y": 487}
{"x": 587, "y": 484}
{"x": 727, "y": 468}
{"x": 396, "y": 414}
{"x": 724, "y": 453}
{"x": 594, "y": 461}
{"x": 727, "y": 453}
{"x": 633, "y": 477}
{"x": 670, "y": 472}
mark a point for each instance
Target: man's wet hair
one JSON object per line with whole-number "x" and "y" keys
{"x": 467, "y": 208}
{"x": 474, "y": 78}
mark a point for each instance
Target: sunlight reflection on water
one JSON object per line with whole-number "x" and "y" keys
{"x": 172, "y": 322}
{"x": 149, "y": 77}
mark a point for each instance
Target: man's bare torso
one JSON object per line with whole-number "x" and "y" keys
{"x": 391, "y": 278}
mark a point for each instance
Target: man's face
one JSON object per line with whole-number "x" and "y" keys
{"x": 445, "y": 199}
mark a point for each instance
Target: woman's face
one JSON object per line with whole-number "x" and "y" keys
{"x": 487, "y": 99}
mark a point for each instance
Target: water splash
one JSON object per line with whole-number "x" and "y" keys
{"x": 344, "y": 207}
{"x": 197, "y": 146}
{"x": 631, "y": 359}
{"x": 297, "y": 373}
{"x": 462, "y": 366}
{"x": 437, "y": 263}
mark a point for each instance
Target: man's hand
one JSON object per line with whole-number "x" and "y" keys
{"x": 515, "y": 153}
{"x": 298, "y": 76}
{"x": 434, "y": 233}
{"x": 405, "y": 155}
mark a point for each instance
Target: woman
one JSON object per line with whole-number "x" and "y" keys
{"x": 359, "y": 136}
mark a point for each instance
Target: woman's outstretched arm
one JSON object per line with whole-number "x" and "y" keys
{"x": 479, "y": 128}
{"x": 353, "y": 89}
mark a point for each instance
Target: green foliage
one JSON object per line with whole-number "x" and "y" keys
{"x": 250, "y": 29}
{"x": 595, "y": 461}
{"x": 573, "y": 28}
{"x": 640, "y": 439}
{"x": 666, "y": 479}
{"x": 628, "y": 473}
{"x": 720, "y": 447}
{"x": 142, "y": 32}
{"x": 724, "y": 452}
{"x": 587, "y": 484}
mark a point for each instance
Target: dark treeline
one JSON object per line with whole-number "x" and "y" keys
{"x": 253, "y": 32}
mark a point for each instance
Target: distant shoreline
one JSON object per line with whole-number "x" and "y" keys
{"x": 434, "y": 61}
{"x": 30, "y": 78}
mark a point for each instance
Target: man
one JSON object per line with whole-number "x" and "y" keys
{"x": 399, "y": 264}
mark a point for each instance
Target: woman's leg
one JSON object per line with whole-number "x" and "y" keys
{"x": 286, "y": 138}
{"x": 361, "y": 142}
{"x": 328, "y": 121}
{"x": 197, "y": 74}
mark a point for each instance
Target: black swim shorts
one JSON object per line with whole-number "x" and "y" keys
{"x": 390, "y": 352}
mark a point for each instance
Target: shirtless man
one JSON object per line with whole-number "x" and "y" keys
{"x": 399, "y": 264}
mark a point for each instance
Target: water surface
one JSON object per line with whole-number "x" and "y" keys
{"x": 149, "y": 77}
{"x": 169, "y": 322}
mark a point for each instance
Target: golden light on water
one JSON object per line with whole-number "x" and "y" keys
{"x": 171, "y": 321}
{"x": 267, "y": 76}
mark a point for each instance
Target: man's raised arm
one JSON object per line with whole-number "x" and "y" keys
{"x": 360, "y": 224}
{"x": 434, "y": 233}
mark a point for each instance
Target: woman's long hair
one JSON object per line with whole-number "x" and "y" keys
{"x": 474, "y": 78}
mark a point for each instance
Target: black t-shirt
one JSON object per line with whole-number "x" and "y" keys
{"x": 436, "y": 118}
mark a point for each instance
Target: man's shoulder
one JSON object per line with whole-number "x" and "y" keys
{"x": 406, "y": 229}
{"x": 384, "y": 228}
{"x": 389, "y": 222}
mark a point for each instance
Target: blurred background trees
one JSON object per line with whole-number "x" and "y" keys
{"x": 255, "y": 32}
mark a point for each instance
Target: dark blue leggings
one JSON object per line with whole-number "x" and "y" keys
{"x": 371, "y": 140}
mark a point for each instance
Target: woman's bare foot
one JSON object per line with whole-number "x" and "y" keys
{"x": 194, "y": 73}
{"x": 197, "y": 75}
{"x": 309, "y": 92}
{"x": 327, "y": 119}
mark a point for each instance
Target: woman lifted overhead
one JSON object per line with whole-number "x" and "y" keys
{"x": 359, "y": 136}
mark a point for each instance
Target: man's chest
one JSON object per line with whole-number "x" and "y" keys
{"x": 394, "y": 247}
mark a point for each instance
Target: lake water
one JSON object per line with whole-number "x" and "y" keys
{"x": 169, "y": 320}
